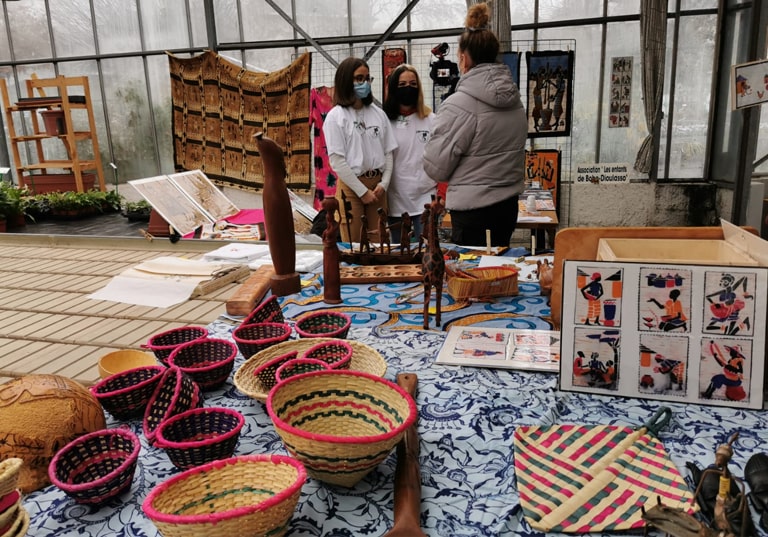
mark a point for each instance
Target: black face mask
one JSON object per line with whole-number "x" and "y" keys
{"x": 407, "y": 95}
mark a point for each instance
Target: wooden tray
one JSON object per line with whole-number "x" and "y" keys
{"x": 380, "y": 274}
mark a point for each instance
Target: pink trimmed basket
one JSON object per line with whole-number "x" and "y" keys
{"x": 337, "y": 353}
{"x": 324, "y": 323}
{"x": 125, "y": 395}
{"x": 252, "y": 338}
{"x": 267, "y": 372}
{"x": 164, "y": 343}
{"x": 207, "y": 361}
{"x": 340, "y": 424}
{"x": 96, "y": 466}
{"x": 267, "y": 312}
{"x": 297, "y": 366}
{"x": 200, "y": 435}
{"x": 174, "y": 394}
{"x": 253, "y": 495}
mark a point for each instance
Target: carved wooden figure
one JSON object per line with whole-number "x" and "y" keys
{"x": 331, "y": 274}
{"x": 278, "y": 218}
{"x": 406, "y": 230}
{"x": 365, "y": 244}
{"x": 433, "y": 263}
{"x": 384, "y": 238}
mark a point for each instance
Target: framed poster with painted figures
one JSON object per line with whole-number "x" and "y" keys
{"x": 542, "y": 171}
{"x": 550, "y": 93}
{"x": 673, "y": 332}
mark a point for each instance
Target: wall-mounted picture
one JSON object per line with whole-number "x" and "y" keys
{"x": 749, "y": 84}
{"x": 620, "y": 91}
{"x": 646, "y": 330}
{"x": 512, "y": 60}
{"x": 550, "y": 93}
{"x": 542, "y": 171}
{"x": 390, "y": 59}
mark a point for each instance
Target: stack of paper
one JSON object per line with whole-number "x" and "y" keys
{"x": 237, "y": 253}
{"x": 306, "y": 260}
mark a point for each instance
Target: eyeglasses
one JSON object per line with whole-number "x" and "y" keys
{"x": 359, "y": 79}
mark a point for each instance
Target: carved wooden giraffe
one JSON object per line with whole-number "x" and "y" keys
{"x": 432, "y": 262}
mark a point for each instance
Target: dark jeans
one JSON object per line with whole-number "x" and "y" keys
{"x": 468, "y": 227}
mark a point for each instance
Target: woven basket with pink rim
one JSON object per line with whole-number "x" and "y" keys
{"x": 323, "y": 323}
{"x": 9, "y": 508}
{"x": 298, "y": 366}
{"x": 207, "y": 361}
{"x": 340, "y": 424}
{"x": 9, "y": 474}
{"x": 174, "y": 394}
{"x": 163, "y": 344}
{"x": 126, "y": 394}
{"x": 364, "y": 358}
{"x": 267, "y": 312}
{"x": 252, "y": 338}
{"x": 253, "y": 495}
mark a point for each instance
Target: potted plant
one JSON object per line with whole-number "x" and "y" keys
{"x": 15, "y": 202}
{"x": 73, "y": 204}
{"x": 137, "y": 211}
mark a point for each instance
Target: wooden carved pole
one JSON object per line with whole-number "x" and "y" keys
{"x": 331, "y": 274}
{"x": 278, "y": 218}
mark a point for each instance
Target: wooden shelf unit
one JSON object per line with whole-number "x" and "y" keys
{"x": 72, "y": 94}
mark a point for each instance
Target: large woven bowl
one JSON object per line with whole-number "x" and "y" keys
{"x": 252, "y": 338}
{"x": 125, "y": 395}
{"x": 323, "y": 323}
{"x": 267, "y": 312}
{"x": 207, "y": 361}
{"x": 200, "y": 435}
{"x": 247, "y": 496}
{"x": 96, "y": 466}
{"x": 164, "y": 343}
{"x": 364, "y": 358}
{"x": 340, "y": 424}
{"x": 174, "y": 394}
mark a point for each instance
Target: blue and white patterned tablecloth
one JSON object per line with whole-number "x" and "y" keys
{"x": 467, "y": 418}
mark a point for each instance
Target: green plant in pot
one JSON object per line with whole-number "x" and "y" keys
{"x": 137, "y": 211}
{"x": 15, "y": 202}
{"x": 74, "y": 204}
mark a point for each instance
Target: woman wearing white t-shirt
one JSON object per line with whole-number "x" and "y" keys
{"x": 410, "y": 188}
{"x": 360, "y": 145}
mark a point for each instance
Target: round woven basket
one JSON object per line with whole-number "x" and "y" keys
{"x": 324, "y": 323}
{"x": 364, "y": 358}
{"x": 252, "y": 338}
{"x": 200, "y": 435}
{"x": 9, "y": 475}
{"x": 297, "y": 366}
{"x": 254, "y": 495}
{"x": 267, "y": 312}
{"x": 164, "y": 343}
{"x": 126, "y": 395}
{"x": 96, "y": 466}
{"x": 340, "y": 424}
{"x": 18, "y": 525}
{"x": 174, "y": 394}
{"x": 337, "y": 353}
{"x": 9, "y": 505}
{"x": 207, "y": 361}
{"x": 266, "y": 373}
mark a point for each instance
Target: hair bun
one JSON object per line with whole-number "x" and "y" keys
{"x": 478, "y": 16}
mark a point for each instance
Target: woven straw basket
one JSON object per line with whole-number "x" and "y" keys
{"x": 174, "y": 394}
{"x": 255, "y": 337}
{"x": 323, "y": 323}
{"x": 17, "y": 526}
{"x": 164, "y": 343}
{"x": 253, "y": 495}
{"x": 9, "y": 475}
{"x": 125, "y": 395}
{"x": 9, "y": 507}
{"x": 340, "y": 424}
{"x": 96, "y": 466}
{"x": 364, "y": 358}
{"x": 207, "y": 361}
{"x": 488, "y": 282}
{"x": 298, "y": 366}
{"x": 267, "y": 312}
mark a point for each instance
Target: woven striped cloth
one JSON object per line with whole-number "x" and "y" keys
{"x": 581, "y": 479}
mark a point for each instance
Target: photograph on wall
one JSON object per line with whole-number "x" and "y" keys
{"x": 658, "y": 344}
{"x": 664, "y": 301}
{"x": 620, "y": 91}
{"x": 542, "y": 171}
{"x": 390, "y": 59}
{"x": 512, "y": 60}
{"x": 749, "y": 84}
{"x": 550, "y": 93}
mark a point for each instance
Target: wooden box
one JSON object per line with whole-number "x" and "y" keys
{"x": 694, "y": 251}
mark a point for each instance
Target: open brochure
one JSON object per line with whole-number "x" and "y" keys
{"x": 534, "y": 350}
{"x": 186, "y": 200}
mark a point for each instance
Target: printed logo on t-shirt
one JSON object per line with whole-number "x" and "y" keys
{"x": 374, "y": 131}
{"x": 422, "y": 136}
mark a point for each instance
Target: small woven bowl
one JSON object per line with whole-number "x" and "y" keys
{"x": 123, "y": 360}
{"x": 252, "y": 338}
{"x": 126, "y": 395}
{"x": 9, "y": 505}
{"x": 340, "y": 424}
{"x": 207, "y": 361}
{"x": 267, "y": 312}
{"x": 96, "y": 466}
{"x": 337, "y": 353}
{"x": 9, "y": 474}
{"x": 18, "y": 525}
{"x": 164, "y": 343}
{"x": 364, "y": 358}
{"x": 174, "y": 394}
{"x": 324, "y": 323}
{"x": 298, "y": 366}
{"x": 200, "y": 435}
{"x": 266, "y": 373}
{"x": 254, "y": 495}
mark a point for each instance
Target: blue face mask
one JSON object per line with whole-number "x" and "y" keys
{"x": 363, "y": 89}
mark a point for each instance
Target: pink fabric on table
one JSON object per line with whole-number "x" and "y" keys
{"x": 242, "y": 217}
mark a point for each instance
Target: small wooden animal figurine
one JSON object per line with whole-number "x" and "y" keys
{"x": 432, "y": 262}
{"x": 544, "y": 270}
{"x": 383, "y": 231}
{"x": 424, "y": 225}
